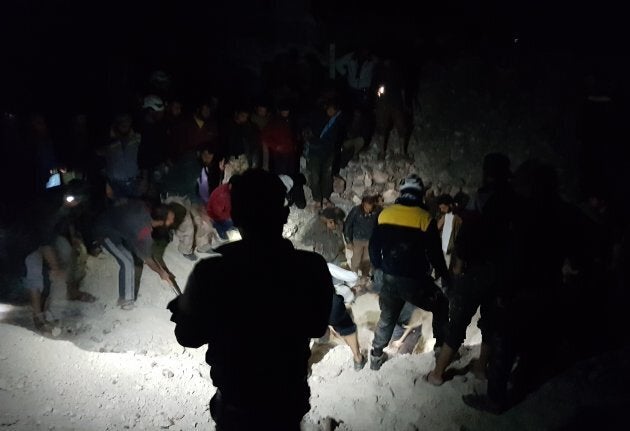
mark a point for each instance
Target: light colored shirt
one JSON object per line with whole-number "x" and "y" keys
{"x": 447, "y": 230}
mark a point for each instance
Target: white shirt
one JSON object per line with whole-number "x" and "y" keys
{"x": 447, "y": 229}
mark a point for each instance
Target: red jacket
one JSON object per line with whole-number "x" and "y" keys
{"x": 220, "y": 203}
{"x": 277, "y": 136}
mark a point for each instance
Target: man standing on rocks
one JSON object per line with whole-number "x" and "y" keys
{"x": 259, "y": 385}
{"x": 405, "y": 246}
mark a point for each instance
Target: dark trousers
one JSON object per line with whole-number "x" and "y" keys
{"x": 422, "y": 293}
{"x": 223, "y": 227}
{"x": 470, "y": 291}
{"x": 320, "y": 167}
{"x": 283, "y": 164}
{"x": 229, "y": 417}
{"x": 340, "y": 318}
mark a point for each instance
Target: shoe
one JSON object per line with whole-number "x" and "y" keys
{"x": 126, "y": 304}
{"x": 190, "y": 256}
{"x": 42, "y": 326}
{"x": 377, "y": 361}
{"x": 206, "y": 248}
{"x": 358, "y": 366}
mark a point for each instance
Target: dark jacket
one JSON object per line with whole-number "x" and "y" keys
{"x": 360, "y": 225}
{"x": 406, "y": 243}
{"x": 326, "y": 140}
{"x": 241, "y": 139}
{"x": 226, "y": 306}
{"x": 128, "y": 224}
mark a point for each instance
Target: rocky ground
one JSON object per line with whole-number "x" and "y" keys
{"x": 110, "y": 369}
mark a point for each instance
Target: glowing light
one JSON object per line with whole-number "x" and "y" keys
{"x": 381, "y": 91}
{"x": 234, "y": 235}
{"x": 5, "y": 309}
{"x": 69, "y": 198}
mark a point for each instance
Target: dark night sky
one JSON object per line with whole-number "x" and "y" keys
{"x": 66, "y": 49}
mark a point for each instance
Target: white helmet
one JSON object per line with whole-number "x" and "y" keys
{"x": 412, "y": 183}
{"x": 153, "y": 102}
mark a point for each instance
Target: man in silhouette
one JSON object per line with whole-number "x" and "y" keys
{"x": 259, "y": 385}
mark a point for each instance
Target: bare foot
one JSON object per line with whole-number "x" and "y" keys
{"x": 434, "y": 379}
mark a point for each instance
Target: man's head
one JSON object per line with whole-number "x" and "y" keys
{"x": 445, "y": 203}
{"x": 203, "y": 112}
{"x": 207, "y": 155}
{"x": 261, "y": 107}
{"x": 496, "y": 168}
{"x": 258, "y": 203}
{"x": 241, "y": 115}
{"x": 122, "y": 125}
{"x": 284, "y": 108}
{"x": 333, "y": 217}
{"x": 412, "y": 188}
{"x": 368, "y": 203}
{"x": 174, "y": 108}
{"x": 162, "y": 216}
{"x": 332, "y": 107}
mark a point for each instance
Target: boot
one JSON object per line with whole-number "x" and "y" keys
{"x": 377, "y": 361}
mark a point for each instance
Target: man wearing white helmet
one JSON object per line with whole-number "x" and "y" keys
{"x": 405, "y": 246}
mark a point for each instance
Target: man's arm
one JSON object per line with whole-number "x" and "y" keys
{"x": 189, "y": 328}
{"x": 374, "y": 248}
{"x": 341, "y": 65}
{"x": 348, "y": 227}
{"x": 322, "y": 292}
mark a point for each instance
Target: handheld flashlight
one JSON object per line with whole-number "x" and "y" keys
{"x": 69, "y": 198}
{"x": 381, "y": 91}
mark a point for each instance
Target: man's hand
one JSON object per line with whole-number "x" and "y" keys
{"x": 349, "y": 246}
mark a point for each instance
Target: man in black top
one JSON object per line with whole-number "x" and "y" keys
{"x": 257, "y": 387}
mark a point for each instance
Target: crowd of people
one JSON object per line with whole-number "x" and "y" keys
{"x": 515, "y": 250}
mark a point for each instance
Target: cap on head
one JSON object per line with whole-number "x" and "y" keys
{"x": 153, "y": 102}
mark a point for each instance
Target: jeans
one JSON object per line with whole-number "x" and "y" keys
{"x": 223, "y": 227}
{"x": 422, "y": 293}
{"x": 126, "y": 271}
{"x": 472, "y": 290}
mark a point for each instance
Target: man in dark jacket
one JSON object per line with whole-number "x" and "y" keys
{"x": 358, "y": 229}
{"x": 268, "y": 390}
{"x": 125, "y": 231}
{"x": 405, "y": 246}
{"x": 324, "y": 143}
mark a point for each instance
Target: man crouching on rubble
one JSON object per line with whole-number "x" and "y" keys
{"x": 258, "y": 386}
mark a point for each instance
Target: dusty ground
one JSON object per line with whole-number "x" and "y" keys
{"x": 112, "y": 370}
